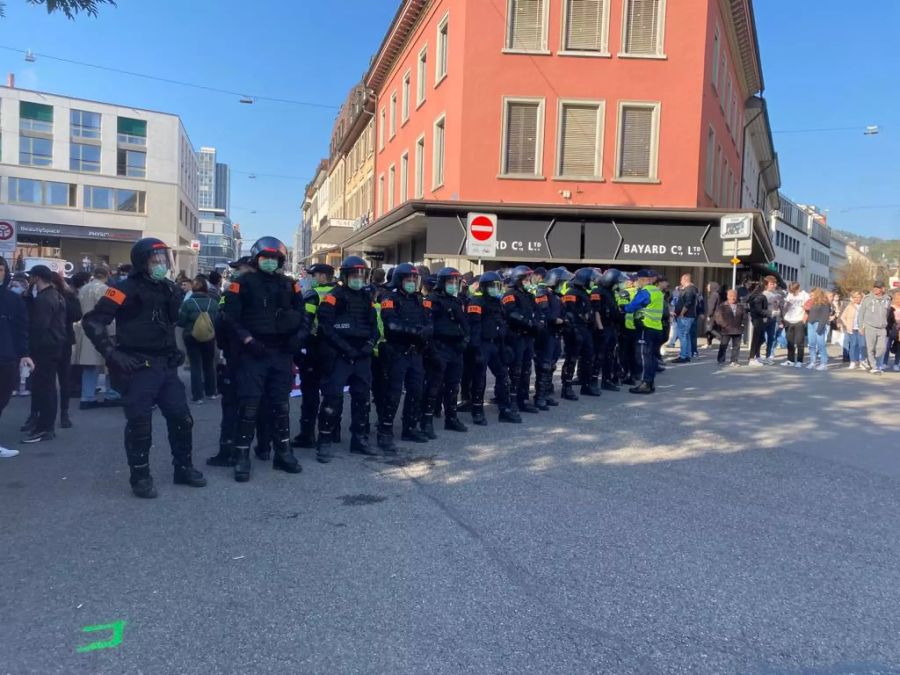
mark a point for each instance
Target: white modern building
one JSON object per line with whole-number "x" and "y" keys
{"x": 83, "y": 180}
{"x": 216, "y": 230}
{"x": 802, "y": 241}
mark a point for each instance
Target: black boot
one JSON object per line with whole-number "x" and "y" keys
{"x": 568, "y": 393}
{"x": 242, "y": 464}
{"x": 478, "y": 418}
{"x": 511, "y": 416}
{"x": 142, "y": 484}
{"x": 413, "y": 435}
{"x": 263, "y": 452}
{"x": 628, "y": 381}
{"x": 306, "y": 438}
{"x": 225, "y": 457}
{"x": 285, "y": 461}
{"x": 359, "y": 445}
{"x": 64, "y": 421}
{"x": 541, "y": 404}
{"x": 590, "y": 389}
{"x": 609, "y": 385}
{"x": 526, "y": 407}
{"x": 385, "y": 440}
{"x": 186, "y": 474}
{"x": 454, "y": 424}
{"x": 642, "y": 388}
{"x": 550, "y": 401}
{"x": 323, "y": 448}
{"x": 427, "y": 425}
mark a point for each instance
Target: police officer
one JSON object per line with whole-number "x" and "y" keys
{"x": 407, "y": 328}
{"x": 524, "y": 323}
{"x": 606, "y": 334}
{"x": 310, "y": 362}
{"x": 487, "y": 331}
{"x": 647, "y": 306}
{"x": 469, "y": 291}
{"x": 579, "y": 338}
{"x": 546, "y": 344}
{"x": 348, "y": 332}
{"x": 265, "y": 310}
{"x": 444, "y": 361}
{"x": 145, "y": 308}
{"x": 379, "y": 362}
{"x": 627, "y": 336}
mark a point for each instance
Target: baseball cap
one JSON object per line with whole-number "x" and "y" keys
{"x": 645, "y": 274}
{"x": 878, "y": 284}
{"x": 41, "y": 272}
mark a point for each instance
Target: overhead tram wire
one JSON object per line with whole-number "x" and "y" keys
{"x": 180, "y": 83}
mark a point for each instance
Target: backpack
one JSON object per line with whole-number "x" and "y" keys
{"x": 203, "y": 330}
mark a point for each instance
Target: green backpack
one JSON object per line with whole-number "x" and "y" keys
{"x": 203, "y": 330}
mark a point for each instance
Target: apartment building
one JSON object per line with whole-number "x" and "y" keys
{"x": 216, "y": 230}
{"x": 82, "y": 180}
{"x": 592, "y": 131}
{"x": 802, "y": 241}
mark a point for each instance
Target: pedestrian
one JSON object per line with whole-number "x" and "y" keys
{"x": 893, "y": 329}
{"x": 873, "y": 313}
{"x": 713, "y": 299}
{"x": 818, "y": 320}
{"x": 648, "y": 307}
{"x": 84, "y": 354}
{"x": 685, "y": 317}
{"x": 197, "y": 318}
{"x": 758, "y": 310}
{"x": 548, "y": 351}
{"x": 214, "y": 285}
{"x": 348, "y": 334}
{"x": 265, "y": 310}
{"x": 407, "y": 327}
{"x": 47, "y": 337}
{"x": 523, "y": 324}
{"x": 579, "y": 338}
{"x": 795, "y": 324}
{"x": 730, "y": 318}
{"x": 775, "y": 304}
{"x": 64, "y": 373}
{"x": 145, "y": 308}
{"x": 849, "y": 321}
{"x": 13, "y": 342}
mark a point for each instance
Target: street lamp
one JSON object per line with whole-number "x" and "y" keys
{"x": 247, "y": 100}
{"x": 29, "y": 57}
{"x": 872, "y": 130}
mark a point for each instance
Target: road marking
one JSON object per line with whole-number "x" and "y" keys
{"x": 117, "y": 628}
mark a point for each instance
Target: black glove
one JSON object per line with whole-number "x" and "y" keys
{"x": 366, "y": 351}
{"x": 125, "y": 363}
{"x": 256, "y": 348}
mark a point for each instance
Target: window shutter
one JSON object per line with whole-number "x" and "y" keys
{"x": 637, "y": 134}
{"x": 642, "y": 27}
{"x": 521, "y": 138}
{"x": 526, "y": 29}
{"x": 578, "y": 151}
{"x": 584, "y": 25}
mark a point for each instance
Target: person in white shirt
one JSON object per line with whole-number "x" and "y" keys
{"x": 794, "y": 312}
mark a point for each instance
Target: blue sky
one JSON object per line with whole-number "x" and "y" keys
{"x": 825, "y": 66}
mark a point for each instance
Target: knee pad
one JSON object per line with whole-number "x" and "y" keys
{"x": 181, "y": 423}
{"x": 139, "y": 430}
{"x": 249, "y": 411}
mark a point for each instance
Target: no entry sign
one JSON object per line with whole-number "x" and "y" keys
{"x": 481, "y": 241}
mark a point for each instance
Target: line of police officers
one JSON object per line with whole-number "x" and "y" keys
{"x": 422, "y": 335}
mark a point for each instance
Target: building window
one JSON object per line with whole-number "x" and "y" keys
{"x": 34, "y": 151}
{"x": 437, "y": 169}
{"x": 523, "y": 123}
{"x": 643, "y": 30}
{"x": 60, "y": 194}
{"x": 392, "y": 175}
{"x": 132, "y": 201}
{"x": 381, "y": 195}
{"x": 586, "y": 25}
{"x": 124, "y": 201}
{"x": 723, "y": 186}
{"x": 728, "y": 99}
{"x": 85, "y": 124}
{"x": 717, "y": 182}
{"x": 393, "y": 115}
{"x": 85, "y": 157}
{"x": 404, "y": 177}
{"x": 35, "y": 117}
{"x": 404, "y": 98}
{"x": 443, "y": 37}
{"x": 526, "y": 25}
{"x": 37, "y": 192}
{"x": 420, "y": 167}
{"x": 711, "y": 162}
{"x": 24, "y": 191}
{"x": 715, "y": 59}
{"x": 638, "y": 142}
{"x": 580, "y": 143}
{"x": 132, "y": 163}
{"x": 381, "y": 120}
{"x": 132, "y": 131}
{"x": 421, "y": 76}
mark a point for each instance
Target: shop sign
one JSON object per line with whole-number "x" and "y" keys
{"x": 78, "y": 232}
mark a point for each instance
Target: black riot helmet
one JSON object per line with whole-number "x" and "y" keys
{"x": 491, "y": 280}
{"x": 401, "y": 272}
{"x": 269, "y": 247}
{"x": 584, "y": 277}
{"x": 611, "y": 278}
{"x": 144, "y": 248}
{"x": 557, "y": 276}
{"x": 518, "y": 274}
{"x": 447, "y": 274}
{"x": 321, "y": 268}
{"x": 352, "y": 268}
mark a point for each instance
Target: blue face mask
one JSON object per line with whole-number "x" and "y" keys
{"x": 17, "y": 289}
{"x": 495, "y": 292}
{"x": 158, "y": 272}
{"x": 268, "y": 265}
{"x": 356, "y": 284}
{"x": 410, "y": 286}
{"x": 451, "y": 289}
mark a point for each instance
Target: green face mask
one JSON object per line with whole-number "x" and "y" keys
{"x": 355, "y": 284}
{"x": 451, "y": 289}
{"x": 158, "y": 272}
{"x": 409, "y": 286}
{"x": 268, "y": 265}
{"x": 494, "y": 292}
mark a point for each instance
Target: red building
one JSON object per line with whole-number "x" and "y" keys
{"x": 595, "y": 131}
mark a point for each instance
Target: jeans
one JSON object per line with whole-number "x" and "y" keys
{"x": 771, "y": 329}
{"x": 89, "y": 377}
{"x": 203, "y": 367}
{"x": 685, "y": 328}
{"x": 694, "y": 339}
{"x": 856, "y": 346}
{"x": 817, "y": 344}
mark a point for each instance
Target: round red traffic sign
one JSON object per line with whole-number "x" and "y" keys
{"x": 482, "y": 228}
{"x": 6, "y": 230}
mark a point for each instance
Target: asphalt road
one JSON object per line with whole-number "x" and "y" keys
{"x": 740, "y": 520}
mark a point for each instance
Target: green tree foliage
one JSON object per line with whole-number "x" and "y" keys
{"x": 70, "y": 8}
{"x": 856, "y": 275}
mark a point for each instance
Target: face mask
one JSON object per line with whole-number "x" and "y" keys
{"x": 268, "y": 265}
{"x": 494, "y": 292}
{"x": 17, "y": 289}
{"x": 355, "y": 284}
{"x": 451, "y": 289}
{"x": 409, "y": 286}
{"x": 158, "y": 272}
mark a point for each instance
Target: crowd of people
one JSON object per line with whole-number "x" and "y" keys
{"x": 401, "y": 337}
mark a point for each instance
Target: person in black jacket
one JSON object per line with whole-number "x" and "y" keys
{"x": 524, "y": 323}
{"x": 64, "y": 375}
{"x": 47, "y": 337}
{"x": 13, "y": 342}
{"x": 758, "y": 309}
{"x": 582, "y": 319}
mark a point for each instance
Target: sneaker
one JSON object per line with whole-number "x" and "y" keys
{"x": 680, "y": 360}
{"x": 852, "y": 366}
{"x": 756, "y": 363}
{"x": 214, "y": 397}
{"x": 6, "y": 453}
{"x": 39, "y": 437}
{"x": 770, "y": 360}
{"x": 788, "y": 363}
{"x": 877, "y": 371}
{"x": 798, "y": 365}
{"x": 822, "y": 367}
{"x": 897, "y": 368}
{"x": 197, "y": 401}
{"x": 734, "y": 364}
{"x": 810, "y": 365}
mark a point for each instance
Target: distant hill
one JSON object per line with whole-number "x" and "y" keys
{"x": 879, "y": 249}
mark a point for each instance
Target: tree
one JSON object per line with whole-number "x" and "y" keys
{"x": 856, "y": 275}
{"x": 69, "y": 7}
